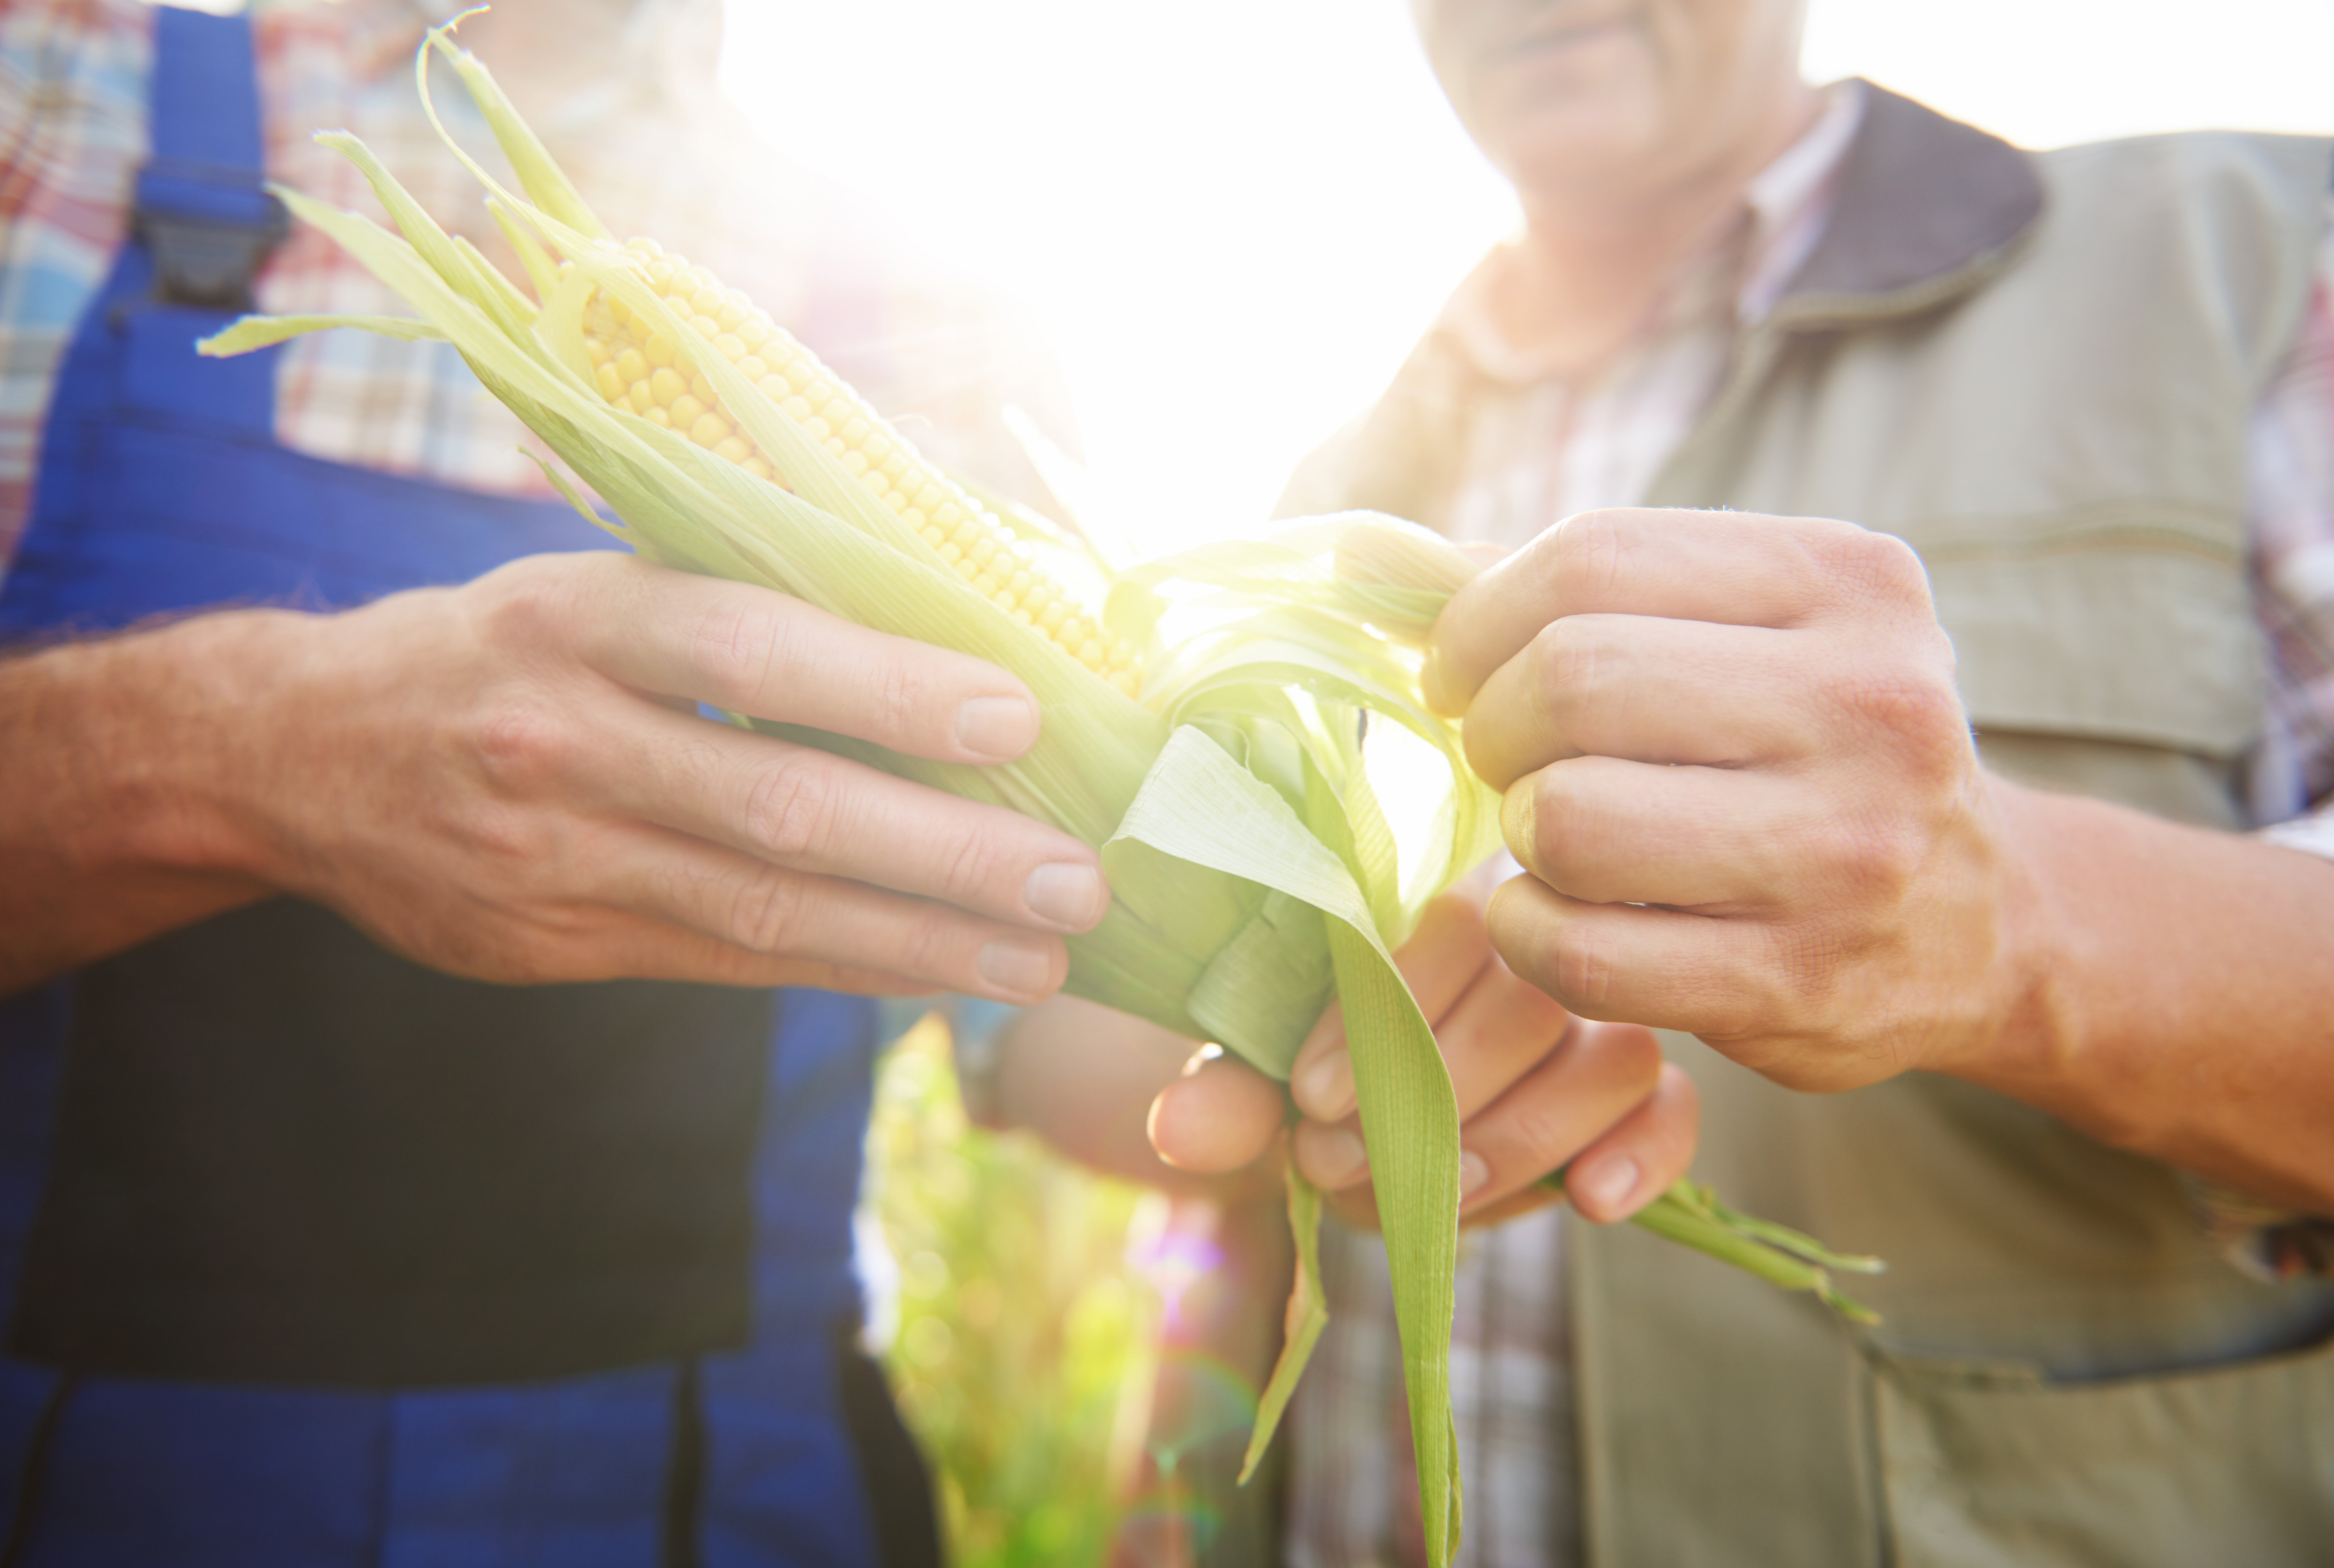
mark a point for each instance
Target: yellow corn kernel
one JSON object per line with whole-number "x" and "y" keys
{"x": 637, "y": 367}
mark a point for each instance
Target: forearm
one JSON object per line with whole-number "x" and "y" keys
{"x": 113, "y": 823}
{"x": 2177, "y": 993}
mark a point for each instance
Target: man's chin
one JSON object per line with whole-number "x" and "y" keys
{"x": 1573, "y": 143}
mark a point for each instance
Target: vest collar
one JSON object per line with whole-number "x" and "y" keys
{"x": 1927, "y": 207}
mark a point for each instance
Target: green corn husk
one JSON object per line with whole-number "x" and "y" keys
{"x": 1254, "y": 871}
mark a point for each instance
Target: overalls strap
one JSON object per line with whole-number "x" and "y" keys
{"x": 200, "y": 207}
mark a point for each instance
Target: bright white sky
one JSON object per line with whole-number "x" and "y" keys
{"x": 1232, "y": 216}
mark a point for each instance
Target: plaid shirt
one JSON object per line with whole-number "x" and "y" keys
{"x": 655, "y": 146}
{"x": 1544, "y": 446}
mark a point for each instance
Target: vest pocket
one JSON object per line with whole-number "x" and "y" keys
{"x": 1985, "y": 1467}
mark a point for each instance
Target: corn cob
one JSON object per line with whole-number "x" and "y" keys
{"x": 636, "y": 367}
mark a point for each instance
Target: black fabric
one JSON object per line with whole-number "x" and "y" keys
{"x": 891, "y": 1466}
{"x": 32, "y": 1476}
{"x": 286, "y": 1155}
{"x": 684, "y": 1483}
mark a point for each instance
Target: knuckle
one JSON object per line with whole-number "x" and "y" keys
{"x": 1884, "y": 856}
{"x": 1880, "y": 567}
{"x": 1591, "y": 548}
{"x": 1895, "y": 568}
{"x": 1634, "y": 1059}
{"x": 1569, "y": 656}
{"x": 927, "y": 946}
{"x": 1915, "y": 713}
{"x": 793, "y": 810}
{"x": 1680, "y": 1103}
{"x": 898, "y": 698}
{"x": 1580, "y": 966}
{"x": 523, "y": 747}
{"x": 738, "y": 648}
{"x": 969, "y": 870}
{"x": 528, "y": 604}
{"x": 769, "y": 910}
{"x": 1543, "y": 1135}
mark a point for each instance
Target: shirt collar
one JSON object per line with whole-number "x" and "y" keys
{"x": 1750, "y": 258}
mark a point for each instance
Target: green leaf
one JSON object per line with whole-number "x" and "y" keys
{"x": 1308, "y": 1314}
{"x": 250, "y": 333}
{"x": 1201, "y": 806}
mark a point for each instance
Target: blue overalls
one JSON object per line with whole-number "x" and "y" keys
{"x": 314, "y": 1258}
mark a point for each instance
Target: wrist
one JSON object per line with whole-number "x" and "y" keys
{"x": 171, "y": 780}
{"x": 2030, "y": 1031}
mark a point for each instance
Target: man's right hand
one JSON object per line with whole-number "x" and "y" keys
{"x": 1538, "y": 1091}
{"x": 510, "y": 780}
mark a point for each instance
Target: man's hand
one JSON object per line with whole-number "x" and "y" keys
{"x": 1737, "y": 767}
{"x": 1538, "y": 1090}
{"x": 510, "y": 780}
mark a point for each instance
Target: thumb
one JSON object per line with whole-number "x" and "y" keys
{"x": 1220, "y": 1115}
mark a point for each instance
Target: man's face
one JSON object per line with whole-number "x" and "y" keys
{"x": 1588, "y": 93}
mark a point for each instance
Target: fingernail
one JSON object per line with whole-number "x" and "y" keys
{"x": 1067, "y": 893}
{"x": 1520, "y": 822}
{"x": 1336, "y": 1158}
{"x": 1324, "y": 1090}
{"x": 1606, "y": 1183}
{"x": 1472, "y": 1173}
{"x": 998, "y": 729}
{"x": 1014, "y": 967}
{"x": 1432, "y": 687}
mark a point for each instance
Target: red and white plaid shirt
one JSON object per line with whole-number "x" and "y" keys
{"x": 655, "y": 146}
{"x": 1546, "y": 447}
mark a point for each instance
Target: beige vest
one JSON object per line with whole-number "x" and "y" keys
{"x": 2038, "y": 371}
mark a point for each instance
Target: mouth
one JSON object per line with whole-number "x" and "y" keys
{"x": 1543, "y": 42}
